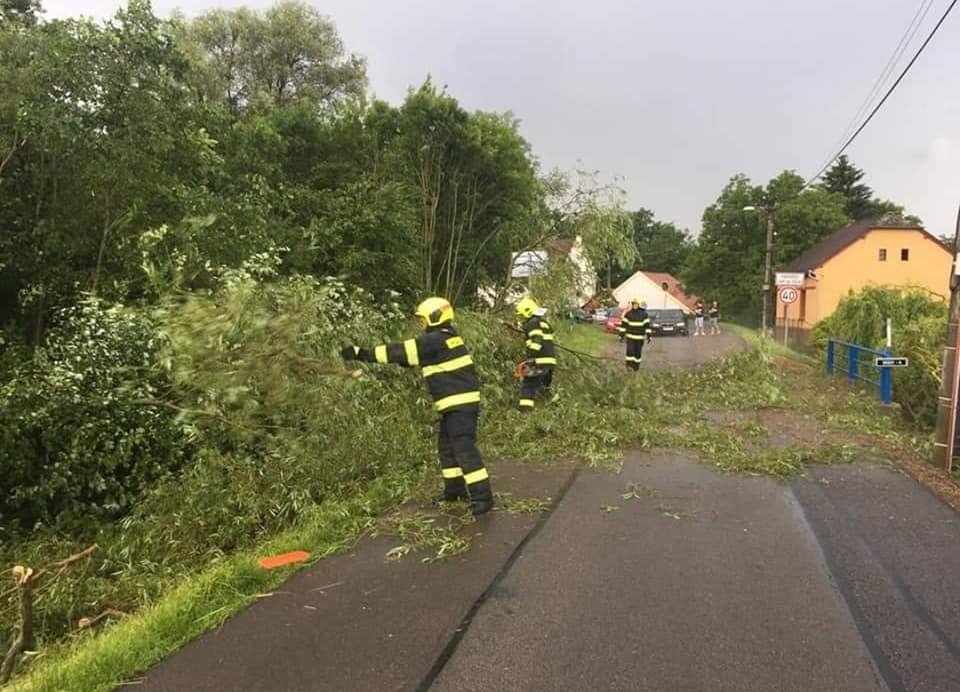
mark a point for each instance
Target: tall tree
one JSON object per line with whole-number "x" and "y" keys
{"x": 104, "y": 145}
{"x": 287, "y": 54}
{"x": 727, "y": 262}
{"x": 21, "y": 12}
{"x": 803, "y": 216}
{"x": 661, "y": 246}
{"x": 843, "y": 178}
{"x": 473, "y": 175}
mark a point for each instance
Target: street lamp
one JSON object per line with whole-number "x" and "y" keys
{"x": 768, "y": 205}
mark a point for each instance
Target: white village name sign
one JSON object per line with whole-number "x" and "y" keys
{"x": 790, "y": 278}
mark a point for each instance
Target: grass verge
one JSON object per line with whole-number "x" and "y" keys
{"x": 753, "y": 338}
{"x": 583, "y": 337}
{"x": 94, "y": 662}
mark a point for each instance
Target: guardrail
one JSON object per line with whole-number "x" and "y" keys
{"x": 851, "y": 357}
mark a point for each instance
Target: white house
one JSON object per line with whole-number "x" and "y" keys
{"x": 585, "y": 283}
{"x": 659, "y": 290}
{"x": 536, "y": 261}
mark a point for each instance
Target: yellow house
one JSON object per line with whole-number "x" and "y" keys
{"x": 871, "y": 252}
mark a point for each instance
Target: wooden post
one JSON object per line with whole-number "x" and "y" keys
{"x": 946, "y": 430}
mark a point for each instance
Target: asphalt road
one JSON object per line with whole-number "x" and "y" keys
{"x": 703, "y": 582}
{"x": 667, "y": 352}
{"x": 666, "y": 576}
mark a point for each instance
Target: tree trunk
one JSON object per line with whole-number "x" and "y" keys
{"x": 15, "y": 146}
{"x": 107, "y": 224}
{"x": 23, "y": 641}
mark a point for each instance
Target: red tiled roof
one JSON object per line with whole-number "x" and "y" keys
{"x": 674, "y": 287}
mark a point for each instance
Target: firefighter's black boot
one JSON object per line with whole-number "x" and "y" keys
{"x": 481, "y": 506}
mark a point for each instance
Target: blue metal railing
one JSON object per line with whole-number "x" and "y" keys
{"x": 850, "y": 355}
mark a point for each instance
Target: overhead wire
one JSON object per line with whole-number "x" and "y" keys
{"x": 905, "y": 40}
{"x": 887, "y": 95}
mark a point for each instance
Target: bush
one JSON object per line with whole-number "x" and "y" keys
{"x": 919, "y": 333}
{"x": 255, "y": 369}
{"x": 74, "y": 443}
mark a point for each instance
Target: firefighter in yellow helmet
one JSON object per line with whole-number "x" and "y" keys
{"x": 541, "y": 356}
{"x": 635, "y": 329}
{"x": 453, "y": 384}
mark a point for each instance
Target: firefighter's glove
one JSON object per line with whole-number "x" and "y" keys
{"x": 350, "y": 353}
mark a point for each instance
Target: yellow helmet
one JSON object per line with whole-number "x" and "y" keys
{"x": 526, "y": 307}
{"x": 636, "y": 301}
{"x": 435, "y": 311}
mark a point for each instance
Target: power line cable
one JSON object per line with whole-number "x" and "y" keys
{"x": 905, "y": 40}
{"x": 887, "y": 95}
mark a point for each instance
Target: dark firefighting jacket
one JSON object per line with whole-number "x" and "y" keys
{"x": 446, "y": 364}
{"x": 540, "y": 348}
{"x": 635, "y": 325}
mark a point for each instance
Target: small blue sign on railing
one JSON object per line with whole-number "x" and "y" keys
{"x": 856, "y": 359}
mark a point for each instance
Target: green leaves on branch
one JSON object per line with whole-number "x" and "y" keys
{"x": 919, "y": 332}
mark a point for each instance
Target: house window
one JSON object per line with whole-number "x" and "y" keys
{"x": 883, "y": 254}
{"x": 905, "y": 254}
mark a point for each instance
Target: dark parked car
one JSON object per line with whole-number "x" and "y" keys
{"x": 581, "y": 315}
{"x": 668, "y": 322}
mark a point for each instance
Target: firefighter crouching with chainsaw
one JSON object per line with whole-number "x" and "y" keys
{"x": 452, "y": 381}
{"x": 537, "y": 369}
{"x": 635, "y": 329}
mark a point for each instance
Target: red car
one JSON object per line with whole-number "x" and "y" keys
{"x": 613, "y": 320}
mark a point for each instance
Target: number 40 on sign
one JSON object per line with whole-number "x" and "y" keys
{"x": 788, "y": 295}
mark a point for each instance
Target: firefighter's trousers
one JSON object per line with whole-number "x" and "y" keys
{"x": 634, "y": 353}
{"x": 533, "y": 386}
{"x": 464, "y": 474}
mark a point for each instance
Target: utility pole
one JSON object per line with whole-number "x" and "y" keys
{"x": 768, "y": 205}
{"x": 947, "y": 406}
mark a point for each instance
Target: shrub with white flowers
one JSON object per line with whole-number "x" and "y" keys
{"x": 74, "y": 442}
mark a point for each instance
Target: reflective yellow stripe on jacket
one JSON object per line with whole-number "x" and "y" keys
{"x": 410, "y": 348}
{"x": 448, "y": 366}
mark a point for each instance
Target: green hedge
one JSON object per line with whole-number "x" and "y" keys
{"x": 919, "y": 333}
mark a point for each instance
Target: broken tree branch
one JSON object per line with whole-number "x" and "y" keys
{"x": 25, "y": 579}
{"x": 87, "y": 623}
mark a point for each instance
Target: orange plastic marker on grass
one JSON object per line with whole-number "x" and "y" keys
{"x": 275, "y": 561}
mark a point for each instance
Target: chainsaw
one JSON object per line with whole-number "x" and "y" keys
{"x": 525, "y": 369}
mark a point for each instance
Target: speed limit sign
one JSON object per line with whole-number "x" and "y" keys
{"x": 788, "y": 295}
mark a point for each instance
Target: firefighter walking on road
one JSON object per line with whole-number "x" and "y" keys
{"x": 635, "y": 329}
{"x": 541, "y": 356}
{"x": 452, "y": 381}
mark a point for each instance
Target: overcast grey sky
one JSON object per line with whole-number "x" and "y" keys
{"x": 674, "y": 98}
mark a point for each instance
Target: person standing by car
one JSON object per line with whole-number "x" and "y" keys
{"x": 714, "y": 313}
{"x": 635, "y": 329}
{"x": 698, "y": 319}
